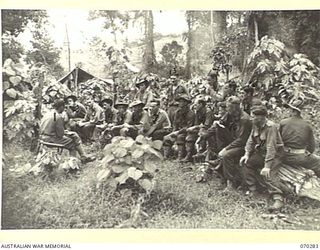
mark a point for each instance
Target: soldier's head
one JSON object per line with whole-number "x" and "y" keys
{"x": 233, "y": 105}
{"x": 137, "y": 106}
{"x": 89, "y": 102}
{"x": 71, "y": 100}
{"x": 259, "y": 114}
{"x": 106, "y": 103}
{"x": 173, "y": 80}
{"x": 201, "y": 103}
{"x": 183, "y": 101}
{"x": 58, "y": 105}
{"x": 143, "y": 85}
{"x": 222, "y": 108}
{"x": 121, "y": 107}
{"x": 154, "y": 106}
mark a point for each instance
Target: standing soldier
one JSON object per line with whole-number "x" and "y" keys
{"x": 184, "y": 118}
{"x": 262, "y": 156}
{"x": 298, "y": 139}
{"x": 144, "y": 94}
{"x": 176, "y": 89}
{"x": 247, "y": 98}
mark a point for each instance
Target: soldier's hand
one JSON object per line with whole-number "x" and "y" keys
{"x": 222, "y": 153}
{"x": 265, "y": 172}
{"x": 244, "y": 159}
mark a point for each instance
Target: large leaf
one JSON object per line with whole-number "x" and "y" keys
{"x": 141, "y": 139}
{"x": 122, "y": 178}
{"x": 134, "y": 173}
{"x": 137, "y": 153}
{"x": 103, "y": 174}
{"x": 107, "y": 149}
{"x": 157, "y": 144}
{"x": 15, "y": 80}
{"x": 120, "y": 152}
{"x": 146, "y": 184}
{"x": 155, "y": 152}
{"x": 107, "y": 159}
{"x": 6, "y": 85}
{"x": 12, "y": 93}
{"x": 9, "y": 71}
{"x": 151, "y": 168}
{"x": 128, "y": 159}
{"x": 118, "y": 169}
{"x": 127, "y": 143}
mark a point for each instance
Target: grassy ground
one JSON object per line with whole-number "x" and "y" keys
{"x": 177, "y": 202}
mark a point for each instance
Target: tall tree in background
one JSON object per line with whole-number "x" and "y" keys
{"x": 116, "y": 21}
{"x": 14, "y": 22}
{"x": 149, "y": 57}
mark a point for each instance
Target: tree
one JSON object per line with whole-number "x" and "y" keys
{"x": 148, "y": 58}
{"x": 15, "y": 22}
{"x": 44, "y": 51}
{"x": 114, "y": 20}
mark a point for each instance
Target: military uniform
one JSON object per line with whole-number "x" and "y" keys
{"x": 160, "y": 125}
{"x": 264, "y": 150}
{"x": 94, "y": 116}
{"x": 52, "y": 130}
{"x": 183, "y": 119}
{"x": 299, "y": 144}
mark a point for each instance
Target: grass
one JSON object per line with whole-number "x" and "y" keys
{"x": 177, "y": 202}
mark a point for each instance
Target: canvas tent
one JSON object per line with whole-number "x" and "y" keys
{"x": 78, "y": 75}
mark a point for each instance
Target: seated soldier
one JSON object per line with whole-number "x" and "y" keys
{"x": 231, "y": 137}
{"x": 121, "y": 117}
{"x": 159, "y": 122}
{"x": 144, "y": 93}
{"x": 184, "y": 118}
{"x": 75, "y": 112}
{"x": 203, "y": 117}
{"x": 298, "y": 140}
{"x": 94, "y": 117}
{"x": 52, "y": 131}
{"x": 262, "y": 156}
{"x": 139, "y": 122}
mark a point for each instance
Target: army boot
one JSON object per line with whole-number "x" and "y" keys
{"x": 278, "y": 203}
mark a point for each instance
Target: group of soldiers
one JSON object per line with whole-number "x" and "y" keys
{"x": 229, "y": 131}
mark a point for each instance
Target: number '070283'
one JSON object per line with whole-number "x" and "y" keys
{"x": 309, "y": 246}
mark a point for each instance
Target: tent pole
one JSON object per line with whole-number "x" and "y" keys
{"x": 76, "y": 82}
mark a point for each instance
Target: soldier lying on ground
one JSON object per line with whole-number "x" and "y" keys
{"x": 52, "y": 131}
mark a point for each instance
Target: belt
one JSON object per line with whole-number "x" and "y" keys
{"x": 294, "y": 150}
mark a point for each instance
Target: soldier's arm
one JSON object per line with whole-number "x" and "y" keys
{"x": 59, "y": 126}
{"x": 311, "y": 140}
{"x": 271, "y": 146}
{"x": 250, "y": 144}
{"x": 245, "y": 130}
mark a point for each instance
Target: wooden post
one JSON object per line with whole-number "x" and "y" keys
{"x": 76, "y": 81}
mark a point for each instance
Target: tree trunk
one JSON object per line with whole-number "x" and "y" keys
{"x": 256, "y": 31}
{"x": 149, "y": 58}
{"x": 190, "y": 43}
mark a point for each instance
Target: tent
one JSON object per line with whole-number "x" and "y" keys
{"x": 78, "y": 75}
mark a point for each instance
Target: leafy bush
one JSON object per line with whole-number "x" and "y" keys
{"x": 127, "y": 163}
{"x": 273, "y": 70}
{"x": 19, "y": 102}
